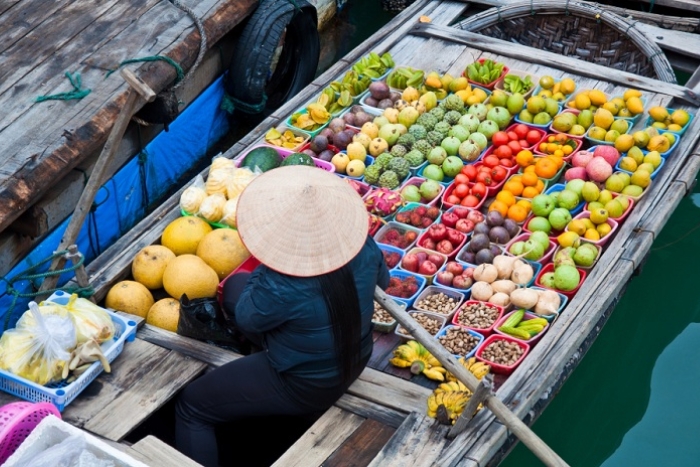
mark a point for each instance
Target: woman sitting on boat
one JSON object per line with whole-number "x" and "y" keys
{"x": 309, "y": 306}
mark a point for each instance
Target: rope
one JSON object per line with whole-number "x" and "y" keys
{"x": 230, "y": 103}
{"x": 153, "y": 58}
{"x": 76, "y": 93}
{"x": 202, "y": 39}
{"x": 532, "y": 8}
{"x": 30, "y": 275}
{"x": 567, "y": 8}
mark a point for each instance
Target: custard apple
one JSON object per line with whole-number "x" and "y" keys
{"x": 400, "y": 166}
{"x": 414, "y": 158}
{"x": 418, "y": 131}
{"x": 372, "y": 174}
{"x": 389, "y": 179}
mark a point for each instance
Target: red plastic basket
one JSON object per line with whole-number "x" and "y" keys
{"x": 17, "y": 420}
{"x": 246, "y": 266}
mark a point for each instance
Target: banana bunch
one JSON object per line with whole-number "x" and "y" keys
{"x": 412, "y": 354}
{"x": 514, "y": 83}
{"x": 478, "y": 369}
{"x": 516, "y": 327}
{"x": 332, "y": 103}
{"x": 373, "y": 65}
{"x": 403, "y": 77}
{"x": 352, "y": 82}
{"x": 486, "y": 72}
{"x": 447, "y": 402}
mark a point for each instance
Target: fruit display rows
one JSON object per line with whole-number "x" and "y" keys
{"x": 492, "y": 195}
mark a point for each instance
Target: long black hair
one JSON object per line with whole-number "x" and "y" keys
{"x": 343, "y": 305}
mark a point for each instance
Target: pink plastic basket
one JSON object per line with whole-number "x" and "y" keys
{"x": 17, "y": 420}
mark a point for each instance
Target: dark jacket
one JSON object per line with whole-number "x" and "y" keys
{"x": 290, "y": 314}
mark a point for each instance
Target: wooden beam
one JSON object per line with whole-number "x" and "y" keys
{"x": 573, "y": 65}
{"x": 690, "y": 5}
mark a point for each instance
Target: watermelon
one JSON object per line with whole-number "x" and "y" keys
{"x": 298, "y": 159}
{"x": 263, "y": 158}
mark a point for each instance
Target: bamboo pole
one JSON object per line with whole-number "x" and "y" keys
{"x": 499, "y": 409}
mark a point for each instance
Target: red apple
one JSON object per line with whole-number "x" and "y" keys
{"x": 533, "y": 136}
{"x": 422, "y": 256}
{"x": 449, "y": 219}
{"x": 454, "y": 267}
{"x": 427, "y": 268}
{"x": 464, "y": 225}
{"x": 410, "y": 262}
{"x": 462, "y": 213}
{"x": 445, "y": 247}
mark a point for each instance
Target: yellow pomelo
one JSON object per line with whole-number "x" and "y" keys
{"x": 624, "y": 143}
{"x": 592, "y": 234}
{"x": 582, "y": 101}
{"x": 189, "y": 274}
{"x": 164, "y": 314}
{"x": 149, "y": 264}
{"x": 130, "y": 297}
{"x": 223, "y": 251}
{"x": 597, "y": 97}
{"x": 567, "y": 86}
{"x": 604, "y": 229}
{"x": 631, "y": 93}
{"x": 183, "y": 234}
{"x": 658, "y": 113}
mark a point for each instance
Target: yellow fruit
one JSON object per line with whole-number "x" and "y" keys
{"x": 641, "y": 178}
{"x": 458, "y": 84}
{"x": 164, "y": 314}
{"x": 620, "y": 125}
{"x": 641, "y": 139}
{"x": 627, "y": 163}
{"x": 567, "y": 86}
{"x": 568, "y": 239}
{"x": 149, "y": 264}
{"x": 582, "y": 101}
{"x": 340, "y": 161}
{"x": 463, "y": 94}
{"x": 658, "y": 143}
{"x": 547, "y": 82}
{"x": 370, "y": 129}
{"x": 577, "y": 226}
{"x": 635, "y": 105}
{"x": 658, "y": 113}
{"x": 355, "y": 168}
{"x": 603, "y": 118}
{"x": 680, "y": 117}
{"x": 625, "y": 113}
{"x": 603, "y": 229}
{"x": 183, "y": 234}
{"x": 612, "y": 107}
{"x": 411, "y": 94}
{"x": 357, "y": 151}
{"x": 223, "y": 251}
{"x": 190, "y": 275}
{"x": 130, "y": 297}
{"x": 674, "y": 127}
{"x": 597, "y": 97}
{"x": 598, "y": 216}
{"x": 653, "y": 158}
{"x": 670, "y": 137}
{"x": 597, "y": 132}
{"x": 631, "y": 93}
{"x": 624, "y": 143}
{"x": 592, "y": 234}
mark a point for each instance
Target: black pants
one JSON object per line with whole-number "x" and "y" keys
{"x": 246, "y": 387}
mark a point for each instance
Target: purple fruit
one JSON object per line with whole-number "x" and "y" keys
{"x": 482, "y": 228}
{"x": 495, "y": 250}
{"x": 483, "y": 256}
{"x": 379, "y": 90}
{"x": 318, "y": 144}
{"x": 511, "y": 226}
{"x": 468, "y": 256}
{"x": 342, "y": 139}
{"x": 494, "y": 218}
{"x": 479, "y": 242}
{"x": 350, "y": 119}
{"x": 337, "y": 125}
{"x": 361, "y": 118}
{"x": 395, "y": 96}
{"x": 385, "y": 104}
{"x": 309, "y": 152}
{"x": 326, "y": 155}
{"x": 499, "y": 234}
{"x": 328, "y": 133}
{"x": 371, "y": 101}
{"x": 357, "y": 108}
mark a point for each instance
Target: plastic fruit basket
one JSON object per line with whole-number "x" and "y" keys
{"x": 443, "y": 286}
{"x": 369, "y": 160}
{"x": 594, "y": 141}
{"x": 295, "y": 132}
{"x": 458, "y": 298}
{"x": 284, "y": 153}
{"x": 542, "y": 133}
{"x": 554, "y": 130}
{"x": 569, "y": 293}
{"x": 311, "y": 134}
{"x": 653, "y": 175}
{"x": 446, "y": 181}
{"x": 548, "y": 253}
{"x": 383, "y": 327}
{"x": 441, "y": 320}
{"x": 17, "y": 420}
{"x": 534, "y": 79}
{"x": 563, "y": 301}
{"x": 248, "y": 265}
{"x": 420, "y": 280}
{"x": 587, "y": 268}
{"x": 670, "y": 149}
{"x": 418, "y": 181}
{"x": 624, "y": 214}
{"x": 61, "y": 394}
{"x": 495, "y": 367}
{"x": 613, "y": 228}
{"x": 471, "y": 353}
{"x": 410, "y": 207}
{"x": 682, "y": 130}
{"x": 392, "y": 249}
{"x": 483, "y": 331}
{"x": 461, "y": 254}
{"x": 577, "y": 141}
{"x": 429, "y": 278}
{"x": 492, "y": 84}
{"x": 401, "y": 228}
{"x": 557, "y": 187}
{"x": 528, "y": 316}
{"x": 448, "y": 192}
{"x": 457, "y": 248}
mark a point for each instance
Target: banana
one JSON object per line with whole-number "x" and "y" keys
{"x": 433, "y": 374}
{"x": 480, "y": 369}
{"x": 400, "y": 362}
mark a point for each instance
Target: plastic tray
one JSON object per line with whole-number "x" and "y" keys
{"x": 446, "y": 181}
{"x": 282, "y": 129}
{"x": 594, "y": 141}
{"x": 492, "y": 84}
{"x": 682, "y": 130}
{"x": 613, "y": 224}
{"x": 548, "y": 253}
{"x": 443, "y": 286}
{"x": 483, "y": 331}
{"x": 313, "y": 133}
{"x": 402, "y": 228}
{"x": 637, "y": 117}
{"x": 435, "y": 289}
{"x": 560, "y": 187}
{"x": 528, "y": 316}
{"x": 446, "y": 194}
{"x": 460, "y": 255}
{"x": 569, "y": 111}
{"x": 284, "y": 153}
{"x": 587, "y": 268}
{"x": 481, "y": 338}
{"x": 413, "y": 205}
{"x": 495, "y": 367}
{"x": 428, "y": 278}
{"x": 380, "y": 326}
{"x": 420, "y": 280}
{"x": 392, "y": 249}
{"x": 522, "y": 74}
{"x": 550, "y": 268}
{"x": 457, "y": 248}
{"x": 440, "y": 318}
{"x": 538, "y": 130}
{"x": 417, "y": 181}
{"x": 579, "y": 143}
{"x": 369, "y": 160}
{"x": 61, "y": 394}
{"x": 665, "y": 154}
{"x": 624, "y": 214}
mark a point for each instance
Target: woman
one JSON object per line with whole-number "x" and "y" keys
{"x": 308, "y": 305}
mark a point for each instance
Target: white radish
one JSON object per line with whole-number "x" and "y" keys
{"x": 500, "y": 299}
{"x": 522, "y": 273}
{"x": 504, "y": 286}
{"x": 548, "y": 303}
{"x": 482, "y": 291}
{"x": 486, "y": 272}
{"x": 524, "y": 298}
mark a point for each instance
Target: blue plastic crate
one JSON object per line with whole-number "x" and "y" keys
{"x": 560, "y": 187}
{"x": 61, "y": 394}
{"x": 653, "y": 174}
{"x": 682, "y": 130}
{"x": 444, "y": 330}
{"x": 420, "y": 280}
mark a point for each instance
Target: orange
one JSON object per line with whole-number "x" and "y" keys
{"x": 558, "y": 160}
{"x": 540, "y": 185}
{"x": 517, "y": 213}
{"x": 499, "y": 206}
{"x": 530, "y": 192}
{"x": 567, "y": 149}
{"x": 506, "y": 197}
{"x": 529, "y": 169}
{"x": 559, "y": 153}
{"x": 545, "y": 168}
{"x": 543, "y": 147}
{"x": 524, "y": 158}
{"x": 561, "y": 138}
{"x": 525, "y": 203}
{"x": 529, "y": 179}
{"x": 514, "y": 186}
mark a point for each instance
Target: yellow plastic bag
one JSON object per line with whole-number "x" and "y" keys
{"x": 91, "y": 321}
{"x": 40, "y": 345}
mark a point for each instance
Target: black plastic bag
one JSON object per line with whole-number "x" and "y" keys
{"x": 203, "y": 319}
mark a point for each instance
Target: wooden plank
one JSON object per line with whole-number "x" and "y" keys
{"x": 690, "y": 5}
{"x": 14, "y": 23}
{"x": 367, "y": 409}
{"x": 416, "y": 443}
{"x": 361, "y": 447}
{"x": 160, "y": 454}
{"x": 321, "y": 440}
{"x": 573, "y": 65}
{"x": 678, "y": 41}
{"x": 390, "y": 391}
{"x": 144, "y": 396}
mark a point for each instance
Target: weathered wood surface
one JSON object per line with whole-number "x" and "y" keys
{"x": 156, "y": 453}
{"x": 39, "y": 148}
{"x": 690, "y": 5}
{"x": 361, "y": 446}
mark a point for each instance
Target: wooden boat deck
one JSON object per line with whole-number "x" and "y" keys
{"x": 380, "y": 420}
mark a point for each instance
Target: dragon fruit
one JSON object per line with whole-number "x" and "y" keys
{"x": 383, "y": 202}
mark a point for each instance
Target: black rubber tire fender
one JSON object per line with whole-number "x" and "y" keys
{"x": 249, "y": 77}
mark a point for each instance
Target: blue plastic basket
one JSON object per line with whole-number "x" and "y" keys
{"x": 653, "y": 174}
{"x": 420, "y": 280}
{"x": 670, "y": 150}
{"x": 560, "y": 187}
{"x": 682, "y": 130}
{"x": 594, "y": 141}
{"x": 481, "y": 338}
{"x": 392, "y": 249}
{"x": 61, "y": 394}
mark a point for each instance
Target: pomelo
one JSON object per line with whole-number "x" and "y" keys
{"x": 164, "y": 314}
{"x": 149, "y": 264}
{"x": 130, "y": 297}
{"x": 183, "y": 234}
{"x": 189, "y": 274}
{"x": 223, "y": 251}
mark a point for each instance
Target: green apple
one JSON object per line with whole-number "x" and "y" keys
{"x": 542, "y": 205}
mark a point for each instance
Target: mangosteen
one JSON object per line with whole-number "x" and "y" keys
{"x": 499, "y": 234}
{"x": 478, "y": 242}
{"x": 325, "y": 155}
{"x": 494, "y": 218}
{"x": 468, "y": 256}
{"x": 371, "y": 101}
{"x": 309, "y": 152}
{"x": 328, "y": 133}
{"x": 318, "y": 144}
{"x": 350, "y": 119}
{"x": 385, "y": 104}
{"x": 482, "y": 228}
{"x": 483, "y": 256}
{"x": 512, "y": 227}
{"x": 342, "y": 139}
{"x": 361, "y": 118}
{"x": 337, "y": 125}
{"x": 395, "y": 96}
{"x": 495, "y": 250}
{"x": 379, "y": 90}
{"x": 356, "y": 108}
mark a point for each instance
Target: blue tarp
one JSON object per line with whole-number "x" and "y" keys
{"x": 123, "y": 200}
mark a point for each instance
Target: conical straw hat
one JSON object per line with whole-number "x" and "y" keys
{"x": 301, "y": 220}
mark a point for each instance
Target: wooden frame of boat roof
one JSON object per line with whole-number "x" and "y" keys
{"x": 381, "y": 421}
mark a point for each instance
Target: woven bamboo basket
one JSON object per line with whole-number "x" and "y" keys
{"x": 577, "y": 30}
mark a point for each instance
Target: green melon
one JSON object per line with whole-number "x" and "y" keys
{"x": 263, "y": 158}
{"x": 298, "y": 159}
